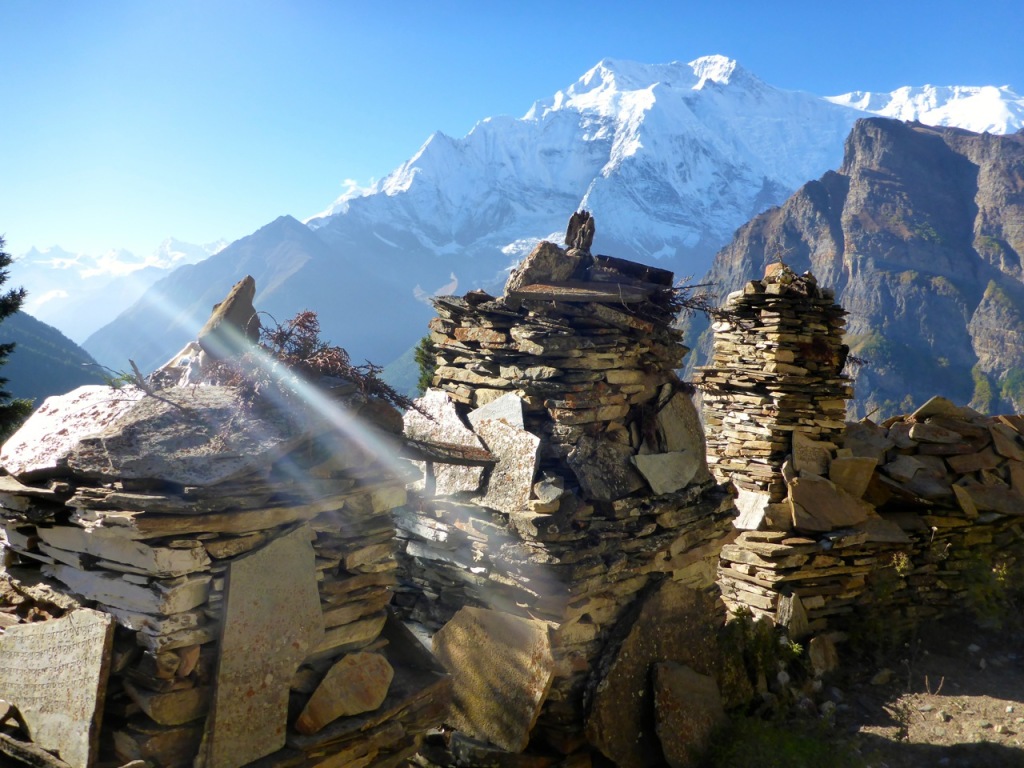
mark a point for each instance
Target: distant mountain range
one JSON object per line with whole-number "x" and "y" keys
{"x": 80, "y": 293}
{"x": 670, "y": 159}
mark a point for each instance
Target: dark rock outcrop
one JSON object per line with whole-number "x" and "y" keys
{"x": 921, "y": 234}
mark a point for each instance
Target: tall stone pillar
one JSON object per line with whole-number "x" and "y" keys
{"x": 774, "y": 388}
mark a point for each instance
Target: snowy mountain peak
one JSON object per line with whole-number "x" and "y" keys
{"x": 975, "y": 108}
{"x": 716, "y": 68}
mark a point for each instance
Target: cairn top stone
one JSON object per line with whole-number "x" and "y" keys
{"x": 233, "y": 326}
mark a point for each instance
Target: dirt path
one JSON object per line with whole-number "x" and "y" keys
{"x": 954, "y": 698}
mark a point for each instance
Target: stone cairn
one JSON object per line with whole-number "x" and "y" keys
{"x": 776, "y": 371}
{"x": 230, "y": 560}
{"x": 902, "y": 517}
{"x": 569, "y": 475}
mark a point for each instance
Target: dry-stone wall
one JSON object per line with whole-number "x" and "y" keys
{"x": 912, "y": 516}
{"x": 570, "y": 477}
{"x": 232, "y": 561}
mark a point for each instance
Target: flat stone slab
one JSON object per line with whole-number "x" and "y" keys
{"x": 852, "y": 473}
{"x": 668, "y": 472}
{"x": 751, "y": 506}
{"x": 501, "y": 668}
{"x": 55, "y": 672}
{"x": 440, "y": 423}
{"x": 688, "y": 708}
{"x": 810, "y": 455}
{"x": 604, "y": 468}
{"x": 272, "y": 622}
{"x": 508, "y": 408}
{"x": 674, "y": 623}
{"x": 517, "y": 452}
{"x": 189, "y": 435}
{"x": 42, "y": 446}
{"x": 819, "y": 505}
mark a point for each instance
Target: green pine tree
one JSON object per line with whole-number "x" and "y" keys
{"x": 12, "y": 412}
{"x": 426, "y": 359}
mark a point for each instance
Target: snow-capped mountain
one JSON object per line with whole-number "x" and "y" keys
{"x": 987, "y": 109}
{"x": 79, "y": 292}
{"x": 670, "y": 158}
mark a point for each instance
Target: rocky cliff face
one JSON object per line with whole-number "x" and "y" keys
{"x": 921, "y": 233}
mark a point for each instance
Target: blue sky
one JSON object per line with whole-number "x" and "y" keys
{"x": 122, "y": 123}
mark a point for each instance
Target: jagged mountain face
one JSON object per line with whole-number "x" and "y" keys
{"x": 921, "y": 233}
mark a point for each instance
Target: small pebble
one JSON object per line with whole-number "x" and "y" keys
{"x": 882, "y": 677}
{"x": 984, "y": 724}
{"x": 943, "y": 716}
{"x": 1009, "y": 709}
{"x": 1001, "y": 729}
{"x": 972, "y": 648}
{"x": 925, "y": 708}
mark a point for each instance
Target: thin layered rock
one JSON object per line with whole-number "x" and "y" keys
{"x": 590, "y": 482}
{"x": 245, "y": 551}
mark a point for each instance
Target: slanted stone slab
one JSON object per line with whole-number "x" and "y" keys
{"x": 356, "y": 684}
{"x": 508, "y": 408}
{"x": 501, "y": 668}
{"x": 667, "y": 472}
{"x": 272, "y": 621}
{"x": 674, "y": 623}
{"x": 688, "y": 707}
{"x": 1006, "y": 442}
{"x": 545, "y": 263}
{"x": 680, "y": 428}
{"x": 55, "y": 672}
{"x": 852, "y": 473}
{"x": 517, "y": 452}
{"x": 819, "y": 505}
{"x": 604, "y": 469}
{"x": 937, "y": 406}
{"x": 42, "y": 446}
{"x": 441, "y": 424}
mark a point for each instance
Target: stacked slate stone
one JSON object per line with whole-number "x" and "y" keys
{"x": 244, "y": 550}
{"x": 953, "y": 480}
{"x": 916, "y": 517}
{"x": 589, "y": 480}
{"x": 777, "y": 368}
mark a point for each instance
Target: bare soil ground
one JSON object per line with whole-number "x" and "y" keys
{"x": 954, "y": 698}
